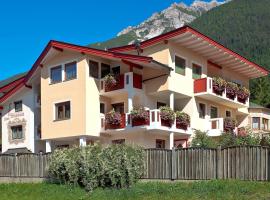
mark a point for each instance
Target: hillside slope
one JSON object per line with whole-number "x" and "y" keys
{"x": 243, "y": 26}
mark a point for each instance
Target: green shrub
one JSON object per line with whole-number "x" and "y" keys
{"x": 93, "y": 166}
{"x": 201, "y": 139}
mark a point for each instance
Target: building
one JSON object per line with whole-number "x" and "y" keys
{"x": 259, "y": 118}
{"x": 63, "y": 99}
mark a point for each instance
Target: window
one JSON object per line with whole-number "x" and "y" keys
{"x": 121, "y": 141}
{"x": 56, "y": 74}
{"x": 180, "y": 65}
{"x": 116, "y": 70}
{"x": 228, "y": 113}
{"x": 17, "y": 132}
{"x": 102, "y": 108}
{"x": 93, "y": 69}
{"x": 214, "y": 112}
{"x": 196, "y": 71}
{"x": 70, "y": 71}
{"x": 255, "y": 122}
{"x": 202, "y": 109}
{"x": 18, "y": 106}
{"x": 105, "y": 70}
{"x": 160, "y": 104}
{"x": 119, "y": 107}
{"x": 160, "y": 144}
{"x": 62, "y": 111}
{"x": 265, "y": 124}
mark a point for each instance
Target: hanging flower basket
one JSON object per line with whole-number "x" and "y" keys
{"x": 229, "y": 124}
{"x": 167, "y": 116}
{"x": 243, "y": 94}
{"x": 182, "y": 120}
{"x": 231, "y": 90}
{"x": 139, "y": 117}
{"x": 219, "y": 85}
{"x": 113, "y": 119}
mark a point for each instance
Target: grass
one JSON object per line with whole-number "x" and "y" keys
{"x": 143, "y": 191}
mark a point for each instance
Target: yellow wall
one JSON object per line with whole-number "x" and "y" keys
{"x": 73, "y": 91}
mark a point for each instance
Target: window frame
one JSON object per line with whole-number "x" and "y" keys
{"x": 98, "y": 68}
{"x": 16, "y": 102}
{"x": 12, "y": 133}
{"x": 198, "y": 65}
{"x": 54, "y": 67}
{"x": 259, "y": 123}
{"x": 163, "y": 143}
{"x": 186, "y": 61}
{"x": 65, "y": 70}
{"x": 104, "y": 107}
{"x": 55, "y": 113}
{"x": 217, "y": 111}
{"x": 205, "y": 110}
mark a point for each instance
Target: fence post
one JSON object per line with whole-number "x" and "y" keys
{"x": 219, "y": 163}
{"x": 173, "y": 163}
{"x": 15, "y": 165}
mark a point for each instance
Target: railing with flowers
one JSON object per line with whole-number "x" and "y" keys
{"x": 113, "y": 82}
{"x": 222, "y": 88}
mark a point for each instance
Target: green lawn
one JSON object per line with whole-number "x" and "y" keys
{"x": 151, "y": 190}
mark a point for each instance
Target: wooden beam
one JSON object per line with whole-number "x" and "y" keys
{"x": 58, "y": 49}
{"x": 28, "y": 86}
{"x": 132, "y": 65}
{"x": 214, "y": 64}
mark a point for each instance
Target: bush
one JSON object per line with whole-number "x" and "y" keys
{"x": 249, "y": 138}
{"x": 116, "y": 166}
{"x": 202, "y": 140}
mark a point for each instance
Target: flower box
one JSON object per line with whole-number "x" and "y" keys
{"x": 166, "y": 123}
{"x": 114, "y": 120}
{"x": 167, "y": 116}
{"x": 229, "y": 124}
{"x": 243, "y": 95}
{"x": 182, "y": 120}
{"x": 231, "y": 90}
{"x": 139, "y": 117}
{"x": 219, "y": 85}
{"x": 113, "y": 82}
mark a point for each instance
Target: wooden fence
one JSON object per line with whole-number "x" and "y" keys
{"x": 24, "y": 165}
{"x": 244, "y": 163}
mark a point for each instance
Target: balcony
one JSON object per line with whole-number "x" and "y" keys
{"x": 204, "y": 88}
{"x": 217, "y": 126}
{"x": 124, "y": 82}
{"x": 154, "y": 122}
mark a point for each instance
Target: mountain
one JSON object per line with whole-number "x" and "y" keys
{"x": 243, "y": 26}
{"x": 171, "y": 18}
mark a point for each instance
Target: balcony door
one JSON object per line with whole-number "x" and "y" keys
{"x": 119, "y": 107}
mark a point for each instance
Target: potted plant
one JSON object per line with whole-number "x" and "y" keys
{"x": 231, "y": 90}
{"x": 243, "y": 94}
{"x": 139, "y": 117}
{"x": 219, "y": 85}
{"x": 110, "y": 81}
{"x": 182, "y": 120}
{"x": 113, "y": 119}
{"x": 167, "y": 116}
{"x": 229, "y": 124}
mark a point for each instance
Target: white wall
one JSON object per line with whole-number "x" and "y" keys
{"x": 27, "y": 114}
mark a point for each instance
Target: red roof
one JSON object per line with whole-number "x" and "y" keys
{"x": 63, "y": 45}
{"x": 183, "y": 30}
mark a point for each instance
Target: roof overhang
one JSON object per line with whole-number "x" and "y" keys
{"x": 214, "y": 52}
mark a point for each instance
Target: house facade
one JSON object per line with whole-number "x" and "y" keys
{"x": 64, "y": 99}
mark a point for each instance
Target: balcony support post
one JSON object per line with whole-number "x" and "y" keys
{"x": 171, "y": 140}
{"x": 130, "y": 101}
{"x": 48, "y": 146}
{"x": 82, "y": 142}
{"x": 172, "y": 101}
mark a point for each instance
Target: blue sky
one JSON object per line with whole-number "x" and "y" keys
{"x": 27, "y": 26}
